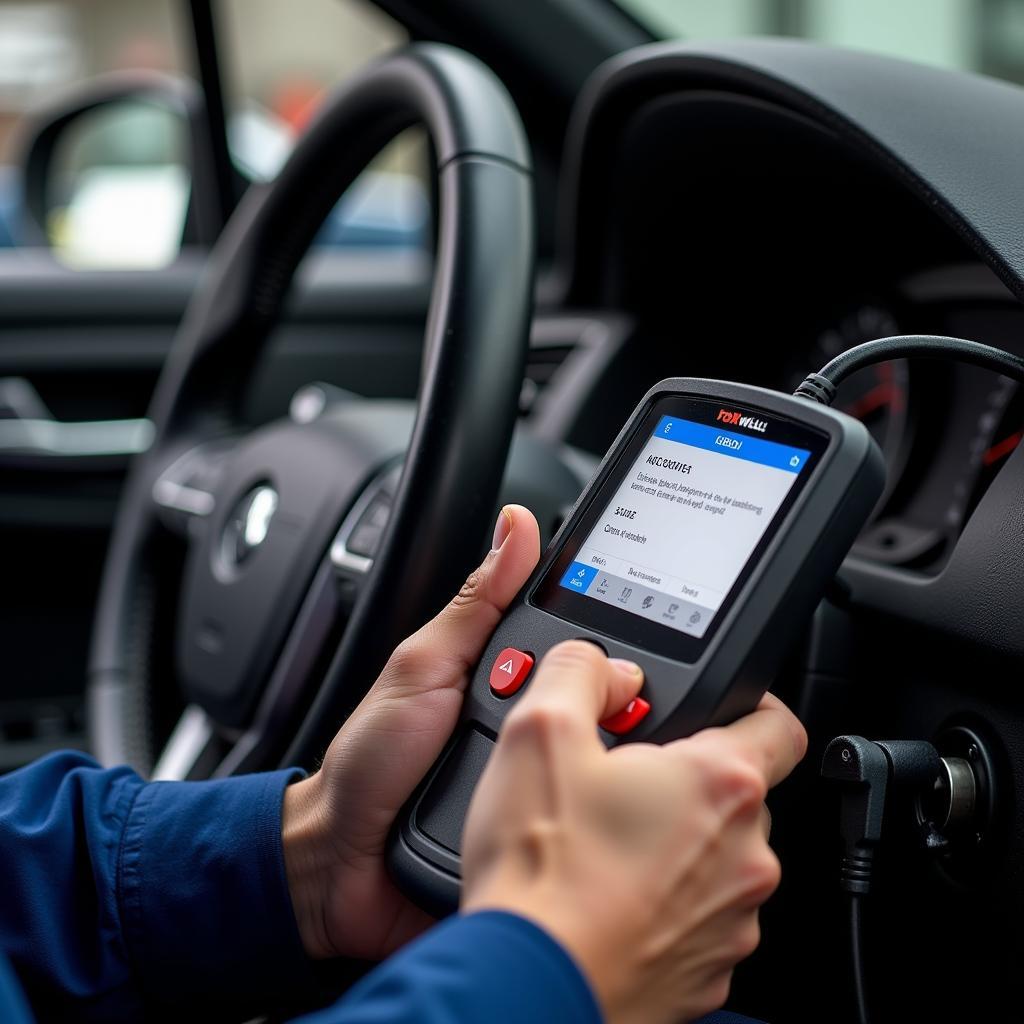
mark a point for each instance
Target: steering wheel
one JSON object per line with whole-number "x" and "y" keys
{"x": 283, "y": 564}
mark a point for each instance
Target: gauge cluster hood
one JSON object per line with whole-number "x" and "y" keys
{"x": 955, "y": 139}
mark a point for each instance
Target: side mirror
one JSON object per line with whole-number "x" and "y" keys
{"x": 119, "y": 172}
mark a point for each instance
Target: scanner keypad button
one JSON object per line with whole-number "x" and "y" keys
{"x": 628, "y": 718}
{"x": 509, "y": 671}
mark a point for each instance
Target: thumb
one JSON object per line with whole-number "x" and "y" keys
{"x": 452, "y": 642}
{"x": 577, "y": 685}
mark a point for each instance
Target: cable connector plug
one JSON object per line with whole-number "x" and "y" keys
{"x": 863, "y": 770}
{"x": 817, "y": 388}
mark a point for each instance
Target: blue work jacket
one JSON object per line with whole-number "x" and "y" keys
{"x": 125, "y": 900}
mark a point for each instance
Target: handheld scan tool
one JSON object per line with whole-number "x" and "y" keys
{"x": 709, "y": 533}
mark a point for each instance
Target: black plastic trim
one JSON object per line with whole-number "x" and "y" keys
{"x": 951, "y": 138}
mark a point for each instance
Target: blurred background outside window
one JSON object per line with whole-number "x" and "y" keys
{"x": 973, "y": 35}
{"x": 279, "y": 60}
{"x": 121, "y": 173}
{"x": 121, "y": 176}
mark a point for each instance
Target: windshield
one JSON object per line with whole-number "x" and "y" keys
{"x": 976, "y": 35}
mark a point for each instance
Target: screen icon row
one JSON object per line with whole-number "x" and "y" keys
{"x": 632, "y": 597}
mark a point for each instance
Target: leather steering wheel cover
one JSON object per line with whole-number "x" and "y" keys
{"x": 474, "y": 355}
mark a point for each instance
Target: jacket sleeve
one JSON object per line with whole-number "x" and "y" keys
{"x": 488, "y": 966}
{"x": 124, "y": 899}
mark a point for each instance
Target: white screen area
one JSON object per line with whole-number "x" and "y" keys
{"x": 684, "y": 521}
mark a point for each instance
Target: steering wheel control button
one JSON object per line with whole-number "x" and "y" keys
{"x": 367, "y": 533}
{"x": 628, "y": 718}
{"x": 509, "y": 671}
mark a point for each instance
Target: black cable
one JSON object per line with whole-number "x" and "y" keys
{"x": 857, "y": 957}
{"x": 865, "y": 769}
{"x": 821, "y": 386}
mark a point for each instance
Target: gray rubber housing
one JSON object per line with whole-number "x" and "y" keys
{"x": 728, "y": 679}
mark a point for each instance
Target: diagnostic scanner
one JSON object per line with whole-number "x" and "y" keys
{"x": 699, "y": 550}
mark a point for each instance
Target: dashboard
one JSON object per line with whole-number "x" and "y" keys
{"x": 742, "y": 239}
{"x": 746, "y": 211}
{"x": 946, "y": 429}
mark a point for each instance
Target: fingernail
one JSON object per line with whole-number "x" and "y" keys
{"x": 629, "y": 668}
{"x": 502, "y": 528}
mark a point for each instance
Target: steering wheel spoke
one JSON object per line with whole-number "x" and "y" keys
{"x": 200, "y": 747}
{"x": 191, "y": 739}
{"x": 198, "y": 742}
{"x": 186, "y": 489}
{"x": 318, "y": 627}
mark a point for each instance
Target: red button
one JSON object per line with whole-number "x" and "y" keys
{"x": 509, "y": 671}
{"x": 628, "y": 718}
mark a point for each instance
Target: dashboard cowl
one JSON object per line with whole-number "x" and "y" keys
{"x": 952, "y": 138}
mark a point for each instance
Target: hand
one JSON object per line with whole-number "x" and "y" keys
{"x": 336, "y": 823}
{"x": 647, "y": 863}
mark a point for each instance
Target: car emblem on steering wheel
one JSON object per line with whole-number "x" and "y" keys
{"x": 247, "y": 527}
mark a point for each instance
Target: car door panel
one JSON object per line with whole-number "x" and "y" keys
{"x": 91, "y": 345}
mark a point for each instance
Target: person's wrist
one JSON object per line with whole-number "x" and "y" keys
{"x": 308, "y": 859}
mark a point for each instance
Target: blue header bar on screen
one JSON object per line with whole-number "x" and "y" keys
{"x": 737, "y": 446}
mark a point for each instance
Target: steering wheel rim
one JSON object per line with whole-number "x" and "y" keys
{"x": 474, "y": 353}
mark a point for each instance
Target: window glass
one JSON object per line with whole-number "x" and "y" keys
{"x": 47, "y": 49}
{"x": 119, "y": 186}
{"x": 279, "y": 62}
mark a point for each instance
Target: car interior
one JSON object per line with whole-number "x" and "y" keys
{"x": 604, "y": 208}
